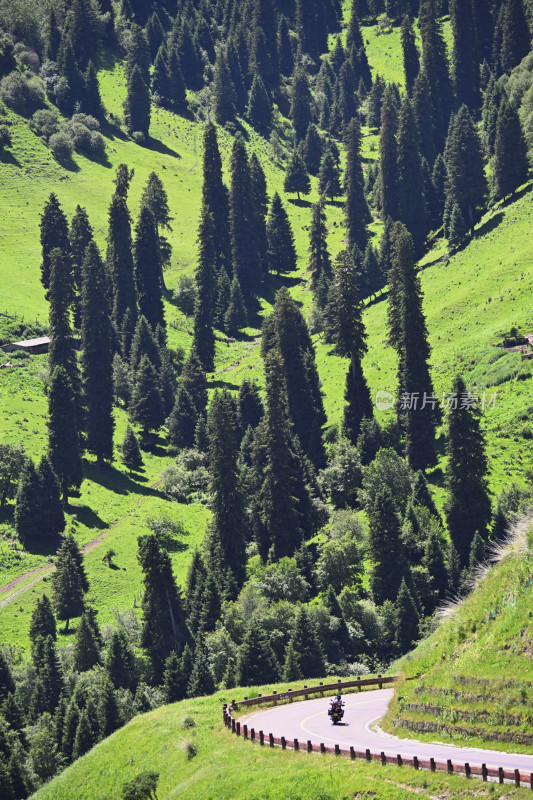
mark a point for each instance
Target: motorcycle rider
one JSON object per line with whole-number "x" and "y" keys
{"x": 337, "y": 704}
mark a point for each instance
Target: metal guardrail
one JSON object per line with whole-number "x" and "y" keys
{"x": 452, "y": 768}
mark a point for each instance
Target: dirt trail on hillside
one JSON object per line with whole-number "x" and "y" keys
{"x": 40, "y": 572}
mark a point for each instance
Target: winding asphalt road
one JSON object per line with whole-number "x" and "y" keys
{"x": 308, "y": 720}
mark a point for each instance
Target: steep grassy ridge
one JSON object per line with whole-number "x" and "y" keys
{"x": 473, "y": 677}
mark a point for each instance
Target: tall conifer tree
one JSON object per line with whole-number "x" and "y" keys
{"x": 388, "y": 156}
{"x": 356, "y": 207}
{"x": 411, "y": 199}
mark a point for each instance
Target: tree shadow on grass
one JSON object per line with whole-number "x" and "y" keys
{"x": 7, "y": 157}
{"x": 88, "y": 517}
{"x": 118, "y": 482}
{"x": 299, "y": 203}
{"x": 159, "y": 147}
{"x": 7, "y": 515}
{"x": 42, "y": 546}
{"x": 488, "y": 226}
{"x": 224, "y": 385}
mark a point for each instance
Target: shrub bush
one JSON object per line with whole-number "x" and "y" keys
{"x": 44, "y": 123}
{"x": 61, "y": 146}
{"x": 186, "y": 294}
{"x": 27, "y": 57}
{"x": 22, "y": 93}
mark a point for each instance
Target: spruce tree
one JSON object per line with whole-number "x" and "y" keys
{"x": 42, "y": 621}
{"x": 411, "y": 199}
{"x": 138, "y": 55}
{"x": 279, "y": 513}
{"x": 69, "y": 582}
{"x": 301, "y": 103}
{"x": 250, "y": 406}
{"x": 235, "y": 317}
{"x": 511, "y": 165}
{"x": 259, "y": 107}
{"x": 423, "y": 110}
{"x": 27, "y": 504}
{"x": 63, "y": 437}
{"x": 97, "y": 357}
{"x": 215, "y": 198}
{"x": 435, "y": 65}
{"x": 256, "y": 662}
{"x": 161, "y": 78}
{"x": 92, "y": 100}
{"x": 107, "y": 709}
{"x": 456, "y": 229}
{"x": 260, "y": 210}
{"x": 345, "y": 329}
{"x": 375, "y": 102}
{"x": 182, "y": 421}
{"x": 420, "y": 415}
{"x": 287, "y": 332}
{"x": 86, "y": 653}
{"x": 146, "y": 407}
{"x": 80, "y": 235}
{"x": 319, "y": 258}
{"x": 467, "y": 185}
{"x": 131, "y": 452}
{"x": 137, "y": 106}
{"x": 54, "y": 235}
{"x": 516, "y": 35}
{"x": 177, "y": 92}
{"x": 388, "y": 156}
{"x": 163, "y": 628}
{"x": 222, "y": 299}
{"x": 385, "y": 548}
{"x": 406, "y": 620}
{"x": 148, "y": 268}
{"x": 204, "y": 338}
{"x": 223, "y": 90}
{"x": 144, "y": 343}
{"x": 69, "y": 70}
{"x": 312, "y": 149}
{"x": 411, "y": 58}
{"x": 467, "y": 508}
{"x": 120, "y": 662}
{"x": 465, "y": 58}
{"x": 173, "y": 680}
{"x": 53, "y": 36}
{"x": 193, "y": 379}
{"x": 51, "y": 515}
{"x": 285, "y": 54}
{"x": 329, "y": 182}
{"x": 296, "y": 177}
{"x": 435, "y": 564}
{"x": 246, "y": 258}
{"x": 228, "y": 526}
{"x": 356, "y": 207}
{"x": 119, "y": 260}
{"x": 306, "y": 646}
{"x": 281, "y": 248}
{"x": 84, "y": 738}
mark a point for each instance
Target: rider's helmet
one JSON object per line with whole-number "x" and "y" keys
{"x": 338, "y": 698}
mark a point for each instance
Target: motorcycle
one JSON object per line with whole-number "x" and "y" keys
{"x": 336, "y": 711}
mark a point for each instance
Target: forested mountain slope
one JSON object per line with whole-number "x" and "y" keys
{"x": 283, "y": 254}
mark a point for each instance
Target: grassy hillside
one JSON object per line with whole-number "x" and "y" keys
{"x": 473, "y": 677}
{"x": 226, "y": 768}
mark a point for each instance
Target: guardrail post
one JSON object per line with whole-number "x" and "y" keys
{"x": 500, "y": 774}
{"x": 233, "y": 725}
{"x": 271, "y": 739}
{"x": 337, "y": 750}
{"x": 238, "y": 728}
{"x": 399, "y": 760}
{"x": 245, "y": 731}
{"x": 416, "y": 765}
{"x": 234, "y": 704}
{"x": 468, "y": 771}
{"x": 290, "y": 698}
{"x": 322, "y": 747}
{"x": 224, "y": 711}
{"x": 368, "y": 755}
{"x": 484, "y": 773}
{"x": 450, "y": 766}
{"x": 252, "y": 734}
{"x": 352, "y": 753}
{"x": 517, "y": 778}
{"x": 306, "y": 694}
{"x": 359, "y": 687}
{"x": 261, "y": 738}
{"x": 275, "y": 699}
{"x": 383, "y": 758}
{"x": 296, "y": 744}
{"x": 321, "y": 693}
{"x": 283, "y": 743}
{"x": 432, "y": 764}
{"x": 531, "y": 781}
{"x": 380, "y": 683}
{"x": 309, "y": 746}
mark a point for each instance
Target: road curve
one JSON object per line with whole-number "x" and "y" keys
{"x": 308, "y": 720}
